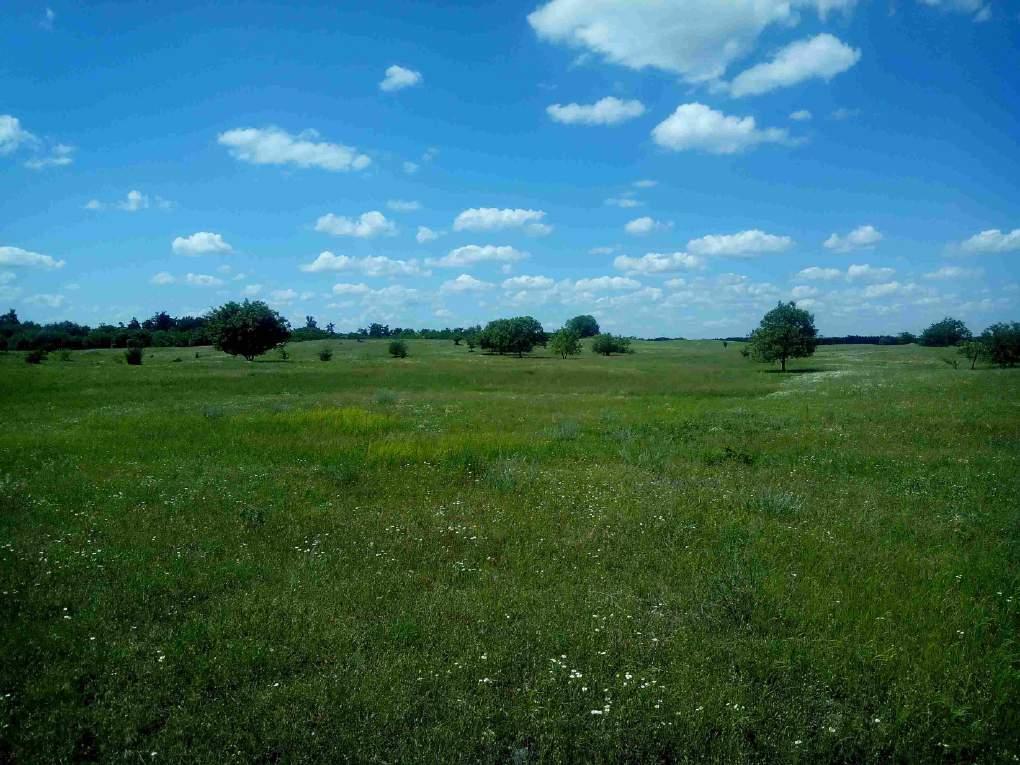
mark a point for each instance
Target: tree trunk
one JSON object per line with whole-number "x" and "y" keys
{"x": 783, "y": 362}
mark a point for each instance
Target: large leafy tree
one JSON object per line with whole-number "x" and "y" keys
{"x": 1002, "y": 343}
{"x": 583, "y": 325}
{"x": 786, "y": 332}
{"x": 517, "y": 335}
{"x": 566, "y": 342}
{"x": 247, "y": 329}
{"x": 944, "y": 333}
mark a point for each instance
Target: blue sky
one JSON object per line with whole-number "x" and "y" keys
{"x": 674, "y": 168}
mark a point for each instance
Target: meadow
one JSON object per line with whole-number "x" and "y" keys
{"x": 671, "y": 556}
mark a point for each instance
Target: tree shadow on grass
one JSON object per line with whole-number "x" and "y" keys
{"x": 799, "y": 371}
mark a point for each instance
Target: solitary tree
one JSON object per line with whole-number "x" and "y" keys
{"x": 398, "y": 349}
{"x": 609, "y": 344}
{"x": 247, "y": 329}
{"x": 972, "y": 350}
{"x": 517, "y": 335}
{"x": 944, "y": 333}
{"x": 785, "y": 332}
{"x": 583, "y": 325}
{"x": 566, "y": 342}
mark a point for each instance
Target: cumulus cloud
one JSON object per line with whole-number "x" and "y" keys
{"x": 403, "y": 205}
{"x": 202, "y": 280}
{"x": 868, "y": 272}
{"x": 371, "y": 265}
{"x": 411, "y": 167}
{"x": 861, "y": 237}
{"x": 816, "y": 273}
{"x": 283, "y": 297}
{"x": 251, "y": 290}
{"x": 464, "y": 283}
{"x": 425, "y": 234}
{"x": 12, "y": 135}
{"x": 696, "y": 127}
{"x": 624, "y": 202}
{"x": 344, "y": 288}
{"x": 606, "y": 283}
{"x": 46, "y": 299}
{"x": 740, "y": 245}
{"x": 645, "y": 225}
{"x": 801, "y": 115}
{"x": 658, "y": 263}
{"x": 645, "y": 183}
{"x": 200, "y": 243}
{"x": 696, "y": 40}
{"x": 398, "y": 78}
{"x": 527, "y": 283}
{"x": 953, "y": 273}
{"x": 365, "y": 226}
{"x": 134, "y": 201}
{"x": 602, "y": 250}
{"x": 274, "y": 146}
{"x": 162, "y": 278}
{"x": 59, "y": 155}
{"x": 803, "y": 291}
{"x": 606, "y": 111}
{"x": 15, "y": 256}
{"x": 472, "y": 253}
{"x": 495, "y": 219}
{"x": 883, "y": 290}
{"x": 819, "y": 57}
{"x": 993, "y": 240}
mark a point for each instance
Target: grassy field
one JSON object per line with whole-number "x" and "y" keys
{"x": 672, "y": 556}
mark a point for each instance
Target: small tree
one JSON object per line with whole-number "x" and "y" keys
{"x": 325, "y": 354}
{"x": 583, "y": 325}
{"x": 1002, "y": 343}
{"x": 133, "y": 356}
{"x": 472, "y": 340}
{"x": 944, "y": 333}
{"x": 785, "y": 332}
{"x": 398, "y": 349}
{"x": 972, "y": 350}
{"x": 566, "y": 342}
{"x": 247, "y": 329}
{"x": 609, "y": 344}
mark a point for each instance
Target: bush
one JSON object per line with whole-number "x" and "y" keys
{"x": 325, "y": 354}
{"x": 133, "y": 356}
{"x": 609, "y": 344}
{"x": 566, "y": 342}
{"x": 35, "y": 357}
{"x": 398, "y": 349}
{"x": 284, "y": 353}
{"x": 1002, "y": 343}
{"x": 65, "y": 356}
{"x": 944, "y": 333}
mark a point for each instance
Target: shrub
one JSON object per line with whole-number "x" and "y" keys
{"x": 398, "y": 349}
{"x": 566, "y": 342}
{"x": 65, "y": 356}
{"x": 35, "y": 357}
{"x": 284, "y": 354}
{"x": 133, "y": 356}
{"x": 609, "y": 344}
{"x": 944, "y": 333}
{"x": 325, "y": 354}
{"x": 1002, "y": 343}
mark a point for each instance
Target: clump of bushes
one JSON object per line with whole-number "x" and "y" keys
{"x": 35, "y": 357}
{"x": 398, "y": 349}
{"x": 608, "y": 344}
{"x": 325, "y": 354}
{"x": 133, "y": 356}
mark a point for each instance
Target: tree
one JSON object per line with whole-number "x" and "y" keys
{"x": 1002, "y": 343}
{"x": 785, "y": 332}
{"x": 398, "y": 349}
{"x": 247, "y": 329}
{"x": 973, "y": 350}
{"x": 517, "y": 335}
{"x": 566, "y": 342}
{"x": 583, "y": 325}
{"x": 331, "y": 328}
{"x": 906, "y": 338}
{"x": 311, "y": 323}
{"x": 609, "y": 344}
{"x": 944, "y": 333}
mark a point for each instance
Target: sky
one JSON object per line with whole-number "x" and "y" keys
{"x": 674, "y": 168}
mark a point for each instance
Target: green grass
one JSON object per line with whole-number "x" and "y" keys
{"x": 671, "y": 556}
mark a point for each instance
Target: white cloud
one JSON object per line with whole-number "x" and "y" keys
{"x": 464, "y": 283}
{"x": 644, "y": 225}
{"x": 398, "y": 78}
{"x": 819, "y": 274}
{"x": 472, "y": 253}
{"x": 860, "y": 238}
{"x": 134, "y": 201}
{"x": 251, "y": 290}
{"x": 947, "y": 273}
{"x": 698, "y": 127}
{"x": 495, "y": 219}
{"x": 372, "y": 265}
{"x": 993, "y": 240}
{"x": 803, "y": 291}
{"x": 527, "y": 283}
{"x": 366, "y": 226}
{"x": 425, "y": 234}
{"x": 403, "y": 205}
{"x": 602, "y": 250}
{"x": 606, "y": 111}
{"x": 15, "y": 256}
{"x": 801, "y": 115}
{"x": 410, "y": 167}
{"x": 344, "y": 288}
{"x": 202, "y": 280}
{"x": 658, "y": 263}
{"x": 48, "y": 18}
{"x": 883, "y": 290}
{"x": 163, "y": 277}
{"x": 48, "y": 300}
{"x": 819, "y": 57}
{"x": 12, "y": 135}
{"x": 200, "y": 243}
{"x": 624, "y": 202}
{"x": 60, "y": 155}
{"x": 843, "y": 113}
{"x": 697, "y": 39}
{"x": 645, "y": 183}
{"x": 274, "y": 146}
{"x": 604, "y": 283}
{"x": 283, "y": 297}
{"x": 740, "y": 245}
{"x": 93, "y": 204}
{"x": 868, "y": 272}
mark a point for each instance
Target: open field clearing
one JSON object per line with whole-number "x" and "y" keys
{"x": 676, "y": 555}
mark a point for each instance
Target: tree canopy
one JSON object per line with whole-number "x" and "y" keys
{"x": 247, "y": 329}
{"x": 609, "y": 344}
{"x": 583, "y": 325}
{"x": 785, "y": 332}
{"x": 566, "y": 342}
{"x": 1002, "y": 343}
{"x": 944, "y": 333}
{"x": 517, "y": 335}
